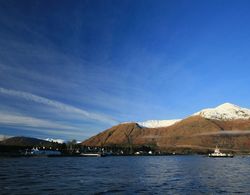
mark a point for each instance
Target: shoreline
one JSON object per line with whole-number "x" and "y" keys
{"x": 106, "y": 156}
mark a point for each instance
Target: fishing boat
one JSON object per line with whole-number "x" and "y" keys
{"x": 217, "y": 154}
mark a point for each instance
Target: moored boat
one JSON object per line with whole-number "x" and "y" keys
{"x": 217, "y": 153}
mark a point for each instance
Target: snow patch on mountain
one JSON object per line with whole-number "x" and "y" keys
{"x": 226, "y": 111}
{"x": 60, "y": 141}
{"x": 158, "y": 123}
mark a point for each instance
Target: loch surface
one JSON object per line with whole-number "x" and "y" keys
{"x": 125, "y": 175}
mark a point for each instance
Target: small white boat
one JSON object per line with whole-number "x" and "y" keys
{"x": 217, "y": 153}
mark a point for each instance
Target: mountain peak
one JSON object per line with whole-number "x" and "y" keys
{"x": 226, "y": 111}
{"x": 228, "y": 106}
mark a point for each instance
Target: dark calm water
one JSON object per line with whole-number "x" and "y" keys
{"x": 125, "y": 175}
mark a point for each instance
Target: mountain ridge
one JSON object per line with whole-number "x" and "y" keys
{"x": 225, "y": 111}
{"x": 195, "y": 131}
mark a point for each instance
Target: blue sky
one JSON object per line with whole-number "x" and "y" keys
{"x": 70, "y": 69}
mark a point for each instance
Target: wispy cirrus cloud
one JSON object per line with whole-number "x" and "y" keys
{"x": 58, "y": 105}
{"x": 27, "y": 121}
{"x": 44, "y": 126}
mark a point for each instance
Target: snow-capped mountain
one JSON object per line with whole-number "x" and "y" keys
{"x": 158, "y": 123}
{"x": 226, "y": 111}
{"x": 60, "y": 141}
{"x": 194, "y": 132}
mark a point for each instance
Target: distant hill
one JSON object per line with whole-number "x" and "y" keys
{"x": 227, "y": 126}
{"x": 27, "y": 142}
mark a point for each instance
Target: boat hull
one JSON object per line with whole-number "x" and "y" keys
{"x": 222, "y": 156}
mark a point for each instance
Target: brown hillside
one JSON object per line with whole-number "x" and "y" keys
{"x": 193, "y": 132}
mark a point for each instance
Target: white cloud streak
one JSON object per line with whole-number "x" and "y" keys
{"x": 58, "y": 105}
{"x": 39, "y": 125}
{"x": 26, "y": 121}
